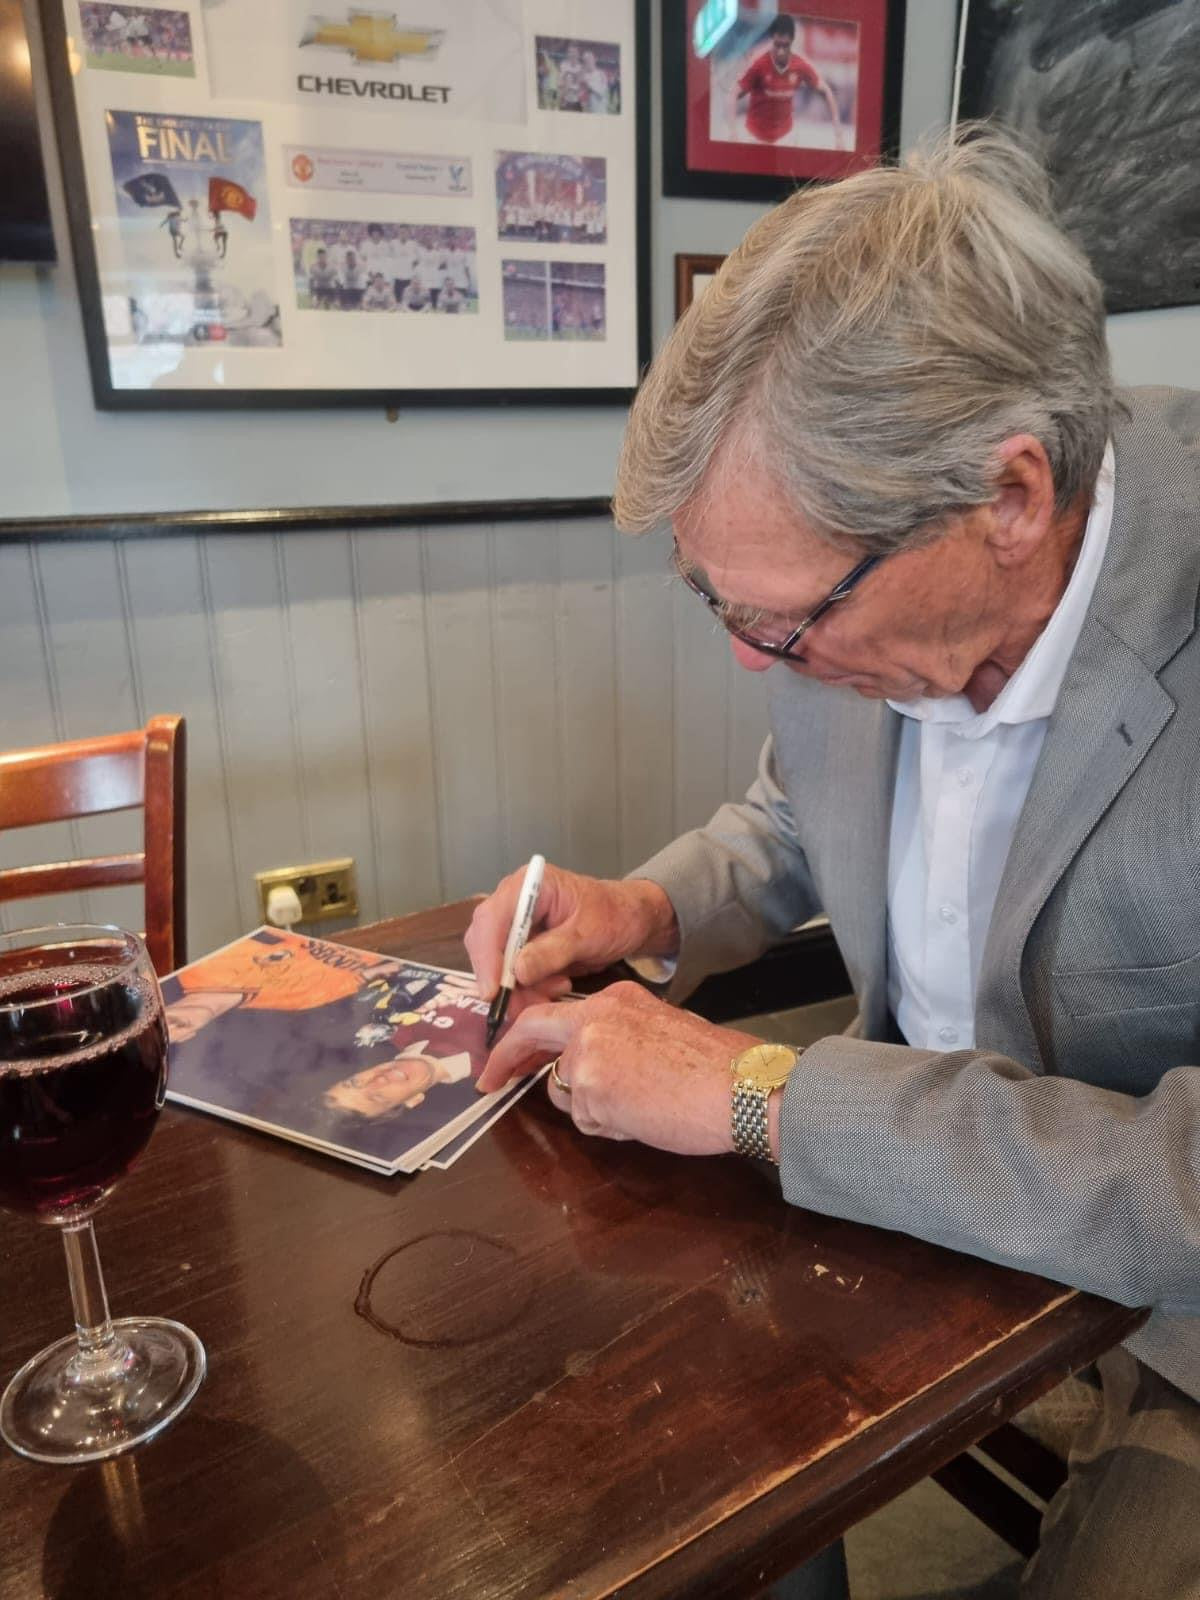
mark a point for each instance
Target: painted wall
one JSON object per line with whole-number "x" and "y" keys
{"x": 435, "y": 702}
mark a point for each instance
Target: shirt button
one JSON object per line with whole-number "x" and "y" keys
{"x": 964, "y": 776}
{"x": 948, "y": 915}
{"x": 948, "y": 1035}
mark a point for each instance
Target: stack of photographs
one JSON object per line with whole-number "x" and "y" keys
{"x": 361, "y": 1056}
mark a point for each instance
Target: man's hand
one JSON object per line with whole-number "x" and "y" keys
{"x": 637, "y": 1068}
{"x": 582, "y": 925}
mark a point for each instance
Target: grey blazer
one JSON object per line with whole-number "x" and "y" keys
{"x": 1068, "y": 1142}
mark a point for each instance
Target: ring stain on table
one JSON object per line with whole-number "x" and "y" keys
{"x": 403, "y": 1293}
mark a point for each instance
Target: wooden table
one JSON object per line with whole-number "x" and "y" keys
{"x": 562, "y": 1368}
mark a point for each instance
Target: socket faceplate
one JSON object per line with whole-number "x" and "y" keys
{"x": 326, "y": 889}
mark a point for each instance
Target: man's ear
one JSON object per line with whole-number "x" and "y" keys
{"x": 1022, "y": 508}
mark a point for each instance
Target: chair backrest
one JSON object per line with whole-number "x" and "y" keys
{"x": 117, "y": 772}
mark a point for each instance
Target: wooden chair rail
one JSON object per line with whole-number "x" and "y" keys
{"x": 53, "y": 783}
{"x": 1027, "y": 1459}
{"x": 64, "y": 877}
{"x": 992, "y": 1501}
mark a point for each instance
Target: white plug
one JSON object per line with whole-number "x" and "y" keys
{"x": 283, "y": 906}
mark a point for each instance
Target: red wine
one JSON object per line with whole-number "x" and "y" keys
{"x": 81, "y": 1083}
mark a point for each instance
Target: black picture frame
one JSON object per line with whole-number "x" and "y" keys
{"x": 1051, "y": 75}
{"x": 109, "y": 398}
{"x": 680, "y": 180}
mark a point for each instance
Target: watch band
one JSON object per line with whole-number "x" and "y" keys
{"x": 750, "y": 1126}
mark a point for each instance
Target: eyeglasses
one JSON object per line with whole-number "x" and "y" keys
{"x": 784, "y": 649}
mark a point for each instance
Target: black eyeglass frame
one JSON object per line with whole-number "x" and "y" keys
{"x": 785, "y": 651}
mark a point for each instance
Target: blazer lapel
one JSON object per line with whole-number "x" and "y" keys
{"x": 1109, "y": 713}
{"x": 1111, "y": 707}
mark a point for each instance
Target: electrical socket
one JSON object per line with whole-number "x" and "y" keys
{"x": 325, "y": 889}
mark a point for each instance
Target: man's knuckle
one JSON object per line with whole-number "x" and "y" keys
{"x": 628, "y": 993}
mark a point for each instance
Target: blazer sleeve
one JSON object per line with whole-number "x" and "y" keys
{"x": 738, "y": 884}
{"x": 1096, "y": 1189}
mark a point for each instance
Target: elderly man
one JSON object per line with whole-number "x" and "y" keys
{"x": 897, "y": 471}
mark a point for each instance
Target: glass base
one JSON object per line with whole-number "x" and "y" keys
{"x": 64, "y": 1407}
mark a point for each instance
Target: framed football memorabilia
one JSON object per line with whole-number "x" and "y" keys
{"x": 315, "y": 202}
{"x": 693, "y": 274}
{"x": 763, "y": 95}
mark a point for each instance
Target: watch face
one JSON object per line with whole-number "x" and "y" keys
{"x": 766, "y": 1065}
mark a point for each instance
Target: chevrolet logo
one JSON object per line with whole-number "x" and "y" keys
{"x": 373, "y": 36}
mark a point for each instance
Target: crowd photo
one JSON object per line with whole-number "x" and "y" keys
{"x": 383, "y": 266}
{"x": 137, "y": 39}
{"x": 551, "y": 199}
{"x": 554, "y": 300}
{"x": 578, "y": 75}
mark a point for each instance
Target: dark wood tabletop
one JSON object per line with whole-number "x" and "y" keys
{"x": 564, "y": 1367}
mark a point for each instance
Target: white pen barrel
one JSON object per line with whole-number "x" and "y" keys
{"x": 522, "y": 920}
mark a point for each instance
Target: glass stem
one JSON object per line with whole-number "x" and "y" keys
{"x": 92, "y": 1323}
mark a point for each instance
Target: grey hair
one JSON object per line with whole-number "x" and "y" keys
{"x": 872, "y": 344}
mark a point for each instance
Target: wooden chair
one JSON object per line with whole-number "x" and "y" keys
{"x": 117, "y": 772}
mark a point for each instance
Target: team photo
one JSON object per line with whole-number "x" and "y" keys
{"x": 383, "y": 266}
{"x": 551, "y": 199}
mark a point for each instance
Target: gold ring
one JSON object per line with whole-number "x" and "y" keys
{"x": 556, "y": 1079}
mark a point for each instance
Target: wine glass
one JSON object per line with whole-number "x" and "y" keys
{"x": 83, "y": 1072}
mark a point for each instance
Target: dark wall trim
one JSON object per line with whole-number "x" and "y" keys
{"x": 297, "y": 519}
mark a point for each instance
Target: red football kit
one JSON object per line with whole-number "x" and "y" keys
{"x": 769, "y": 114}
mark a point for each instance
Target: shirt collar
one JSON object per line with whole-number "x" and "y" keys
{"x": 1030, "y": 694}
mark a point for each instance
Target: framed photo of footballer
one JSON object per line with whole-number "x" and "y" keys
{"x": 286, "y": 203}
{"x": 760, "y": 96}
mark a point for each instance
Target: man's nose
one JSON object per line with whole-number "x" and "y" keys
{"x": 747, "y": 656}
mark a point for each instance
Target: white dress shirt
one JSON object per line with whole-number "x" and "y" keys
{"x": 961, "y": 781}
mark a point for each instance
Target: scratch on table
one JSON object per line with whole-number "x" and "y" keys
{"x": 337, "y": 1588}
{"x": 543, "y": 1395}
{"x": 374, "y": 1518}
{"x": 489, "y": 1524}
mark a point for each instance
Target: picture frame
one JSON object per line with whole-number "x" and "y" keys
{"x": 739, "y": 125}
{"x": 234, "y": 197}
{"x": 693, "y": 273}
{"x": 1052, "y": 74}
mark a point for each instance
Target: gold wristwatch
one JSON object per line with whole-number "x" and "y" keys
{"x": 756, "y": 1073}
